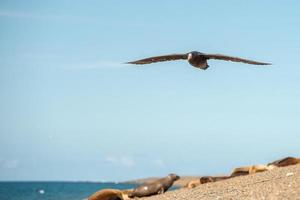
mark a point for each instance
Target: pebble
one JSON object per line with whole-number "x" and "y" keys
{"x": 290, "y": 174}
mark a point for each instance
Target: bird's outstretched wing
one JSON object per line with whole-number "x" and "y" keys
{"x": 159, "y": 59}
{"x": 234, "y": 59}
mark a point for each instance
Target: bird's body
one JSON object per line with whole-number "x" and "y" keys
{"x": 196, "y": 59}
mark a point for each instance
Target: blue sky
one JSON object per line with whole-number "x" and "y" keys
{"x": 71, "y": 111}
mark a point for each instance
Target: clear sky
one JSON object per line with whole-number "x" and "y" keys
{"x": 69, "y": 110}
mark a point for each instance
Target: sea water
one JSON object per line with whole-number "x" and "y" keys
{"x": 53, "y": 190}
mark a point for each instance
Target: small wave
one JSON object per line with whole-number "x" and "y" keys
{"x": 41, "y": 191}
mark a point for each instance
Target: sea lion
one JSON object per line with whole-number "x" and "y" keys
{"x": 285, "y": 162}
{"x": 208, "y": 179}
{"x": 205, "y": 179}
{"x": 193, "y": 183}
{"x": 110, "y": 194}
{"x": 156, "y": 187}
{"x": 241, "y": 171}
{"x": 259, "y": 168}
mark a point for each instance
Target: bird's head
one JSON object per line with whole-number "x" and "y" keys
{"x": 192, "y": 54}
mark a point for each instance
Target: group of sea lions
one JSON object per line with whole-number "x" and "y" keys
{"x": 245, "y": 170}
{"x": 161, "y": 185}
{"x": 158, "y": 186}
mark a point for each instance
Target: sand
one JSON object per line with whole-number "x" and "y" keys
{"x": 281, "y": 183}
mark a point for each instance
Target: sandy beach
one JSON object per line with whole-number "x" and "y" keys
{"x": 281, "y": 183}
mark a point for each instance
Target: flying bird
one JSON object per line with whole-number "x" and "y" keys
{"x": 196, "y": 59}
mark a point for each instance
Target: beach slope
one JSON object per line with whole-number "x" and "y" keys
{"x": 281, "y": 183}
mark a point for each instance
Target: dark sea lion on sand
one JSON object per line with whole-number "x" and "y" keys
{"x": 156, "y": 187}
{"x": 240, "y": 171}
{"x": 205, "y": 179}
{"x": 110, "y": 194}
{"x": 285, "y": 162}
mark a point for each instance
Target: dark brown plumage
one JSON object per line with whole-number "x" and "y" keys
{"x": 196, "y": 59}
{"x": 160, "y": 59}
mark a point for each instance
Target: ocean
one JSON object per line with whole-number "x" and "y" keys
{"x": 53, "y": 190}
